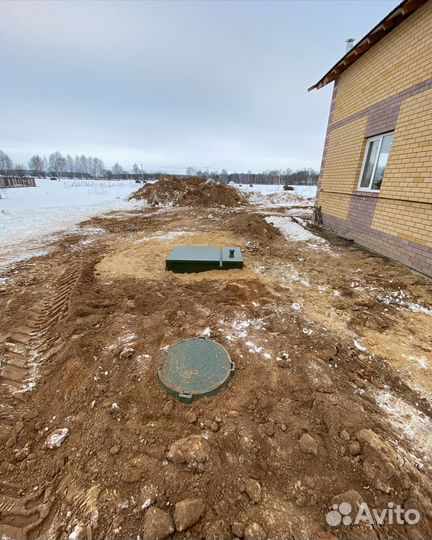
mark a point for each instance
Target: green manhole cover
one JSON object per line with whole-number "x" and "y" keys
{"x": 195, "y": 368}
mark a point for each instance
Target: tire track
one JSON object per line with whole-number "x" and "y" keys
{"x": 23, "y": 352}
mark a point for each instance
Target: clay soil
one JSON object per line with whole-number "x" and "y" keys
{"x": 330, "y": 400}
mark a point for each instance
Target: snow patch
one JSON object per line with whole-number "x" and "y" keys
{"x": 414, "y": 425}
{"x": 296, "y": 233}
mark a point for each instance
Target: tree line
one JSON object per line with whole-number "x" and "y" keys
{"x": 92, "y": 167}
{"x": 63, "y": 166}
{"x": 307, "y": 177}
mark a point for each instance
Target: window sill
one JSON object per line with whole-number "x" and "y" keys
{"x": 366, "y": 193}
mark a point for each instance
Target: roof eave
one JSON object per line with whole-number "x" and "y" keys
{"x": 389, "y": 23}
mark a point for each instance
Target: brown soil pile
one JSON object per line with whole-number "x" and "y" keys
{"x": 308, "y": 420}
{"x": 192, "y": 191}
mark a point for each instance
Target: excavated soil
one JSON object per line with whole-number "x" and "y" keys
{"x": 193, "y": 191}
{"x": 329, "y": 403}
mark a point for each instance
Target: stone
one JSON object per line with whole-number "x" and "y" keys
{"x": 114, "y": 450}
{"x": 354, "y": 448}
{"x": 254, "y": 531}
{"x": 253, "y": 489}
{"x": 189, "y": 450}
{"x": 308, "y": 444}
{"x": 214, "y": 427}
{"x": 157, "y": 525}
{"x": 344, "y": 435}
{"x": 187, "y": 513}
{"x": 168, "y": 407}
{"x": 56, "y": 438}
{"x": 191, "y": 417}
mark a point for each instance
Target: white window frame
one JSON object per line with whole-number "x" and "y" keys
{"x": 379, "y": 138}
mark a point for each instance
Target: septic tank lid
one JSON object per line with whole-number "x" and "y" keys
{"x": 195, "y": 368}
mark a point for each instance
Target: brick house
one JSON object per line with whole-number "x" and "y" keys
{"x": 375, "y": 184}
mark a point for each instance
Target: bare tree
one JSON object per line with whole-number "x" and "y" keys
{"x": 57, "y": 164}
{"x": 5, "y": 162}
{"x": 117, "y": 169}
{"x": 37, "y": 164}
{"x": 70, "y": 164}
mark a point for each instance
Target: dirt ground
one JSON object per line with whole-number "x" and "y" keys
{"x": 329, "y": 403}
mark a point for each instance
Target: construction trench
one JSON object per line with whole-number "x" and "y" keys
{"x": 328, "y": 401}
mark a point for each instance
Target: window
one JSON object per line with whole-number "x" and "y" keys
{"x": 375, "y": 161}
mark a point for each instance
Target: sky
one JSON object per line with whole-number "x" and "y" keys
{"x": 172, "y": 84}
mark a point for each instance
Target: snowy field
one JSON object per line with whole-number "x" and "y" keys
{"x": 29, "y": 217}
{"x": 275, "y": 195}
{"x": 308, "y": 192}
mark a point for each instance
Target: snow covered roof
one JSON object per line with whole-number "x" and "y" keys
{"x": 389, "y": 23}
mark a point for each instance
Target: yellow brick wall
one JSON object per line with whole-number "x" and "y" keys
{"x": 335, "y": 204}
{"x": 343, "y": 160}
{"x": 405, "y": 219}
{"x": 400, "y": 60}
{"x": 408, "y": 174}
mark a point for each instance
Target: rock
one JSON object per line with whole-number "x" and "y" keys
{"x": 190, "y": 450}
{"x": 214, "y": 427}
{"x": 254, "y": 531}
{"x": 253, "y": 489}
{"x": 157, "y": 525}
{"x": 237, "y": 529}
{"x": 19, "y": 426}
{"x": 351, "y": 496}
{"x": 114, "y": 450}
{"x": 354, "y": 448}
{"x": 344, "y": 435}
{"x": 168, "y": 407}
{"x": 187, "y": 513}
{"x": 207, "y": 424}
{"x": 308, "y": 444}
{"x": 56, "y": 438}
{"x": 191, "y": 417}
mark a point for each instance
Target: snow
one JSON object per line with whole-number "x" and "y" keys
{"x": 297, "y": 233}
{"x": 274, "y": 195}
{"x": 29, "y": 217}
{"x": 400, "y": 298}
{"x": 308, "y": 192}
{"x": 409, "y": 422}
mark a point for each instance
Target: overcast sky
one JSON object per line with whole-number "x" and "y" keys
{"x": 219, "y": 84}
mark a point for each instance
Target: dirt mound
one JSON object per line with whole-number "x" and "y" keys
{"x": 192, "y": 191}
{"x": 253, "y": 226}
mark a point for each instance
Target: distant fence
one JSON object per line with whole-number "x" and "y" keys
{"x": 16, "y": 181}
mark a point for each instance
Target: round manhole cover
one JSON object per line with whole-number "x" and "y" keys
{"x": 195, "y": 368}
